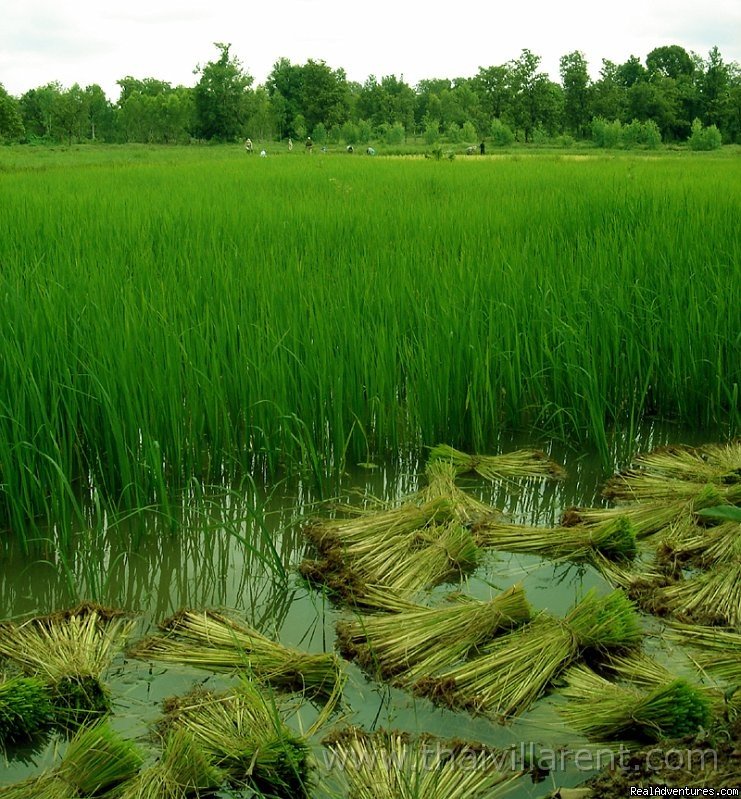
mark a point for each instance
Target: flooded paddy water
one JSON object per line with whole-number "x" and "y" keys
{"x": 240, "y": 552}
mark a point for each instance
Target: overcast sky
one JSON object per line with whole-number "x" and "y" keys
{"x": 100, "y": 41}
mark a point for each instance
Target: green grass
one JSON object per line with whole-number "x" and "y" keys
{"x": 192, "y": 312}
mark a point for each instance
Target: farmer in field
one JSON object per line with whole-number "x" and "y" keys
{"x": 248, "y": 145}
{"x": 309, "y": 145}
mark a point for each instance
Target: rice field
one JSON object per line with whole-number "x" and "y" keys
{"x": 191, "y": 314}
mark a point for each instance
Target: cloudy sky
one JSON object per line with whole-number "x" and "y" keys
{"x": 99, "y": 41}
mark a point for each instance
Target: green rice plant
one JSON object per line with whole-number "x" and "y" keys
{"x": 418, "y": 642}
{"x": 515, "y": 670}
{"x": 716, "y": 650}
{"x": 97, "y": 760}
{"x": 389, "y": 765}
{"x": 212, "y": 641}
{"x": 613, "y": 539}
{"x": 70, "y": 652}
{"x": 508, "y": 465}
{"x": 183, "y": 770}
{"x": 703, "y": 547}
{"x": 323, "y": 355}
{"x": 242, "y": 733}
{"x": 604, "y": 710}
{"x": 25, "y": 708}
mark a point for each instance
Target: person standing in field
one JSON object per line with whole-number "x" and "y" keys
{"x": 290, "y": 144}
{"x": 248, "y": 145}
{"x": 482, "y": 148}
{"x": 309, "y": 145}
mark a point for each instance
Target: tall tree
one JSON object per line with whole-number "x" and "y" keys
{"x": 221, "y": 96}
{"x": 576, "y": 92}
{"x": 11, "y": 121}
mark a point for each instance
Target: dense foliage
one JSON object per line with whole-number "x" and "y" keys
{"x": 670, "y": 90}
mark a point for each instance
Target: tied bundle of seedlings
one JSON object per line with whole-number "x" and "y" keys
{"x": 614, "y": 540}
{"x": 440, "y": 476}
{"x": 650, "y": 516}
{"x": 25, "y": 709}
{"x": 604, "y": 710}
{"x": 403, "y": 567}
{"x": 365, "y": 533}
{"x": 242, "y": 733}
{"x": 97, "y": 760}
{"x": 702, "y": 547}
{"x": 70, "y": 651}
{"x": 712, "y": 597}
{"x": 184, "y": 770}
{"x": 212, "y": 641}
{"x": 420, "y": 641}
{"x": 388, "y": 765}
{"x": 636, "y": 486}
{"x": 712, "y": 463}
{"x": 522, "y": 463}
{"x": 517, "y": 669}
{"x": 718, "y": 650}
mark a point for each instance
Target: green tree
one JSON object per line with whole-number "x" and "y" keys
{"x": 609, "y": 97}
{"x": 535, "y": 99}
{"x": 100, "y": 114}
{"x": 576, "y": 93}
{"x": 671, "y": 61}
{"x": 715, "y": 90}
{"x": 37, "y": 110}
{"x": 11, "y": 121}
{"x": 71, "y": 113}
{"x": 221, "y": 97}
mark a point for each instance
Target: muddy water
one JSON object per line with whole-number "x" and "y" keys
{"x": 240, "y": 550}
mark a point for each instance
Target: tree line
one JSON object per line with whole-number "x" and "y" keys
{"x": 674, "y": 95}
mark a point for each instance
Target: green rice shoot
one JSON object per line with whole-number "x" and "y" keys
{"x": 531, "y": 464}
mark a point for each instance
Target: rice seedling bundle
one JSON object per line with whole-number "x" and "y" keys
{"x": 515, "y": 670}
{"x": 704, "y": 547}
{"x": 388, "y": 765}
{"x": 604, "y": 710}
{"x": 212, "y": 641}
{"x": 718, "y": 650}
{"x": 365, "y": 533}
{"x": 403, "y": 567}
{"x": 70, "y": 651}
{"x": 25, "y": 708}
{"x": 183, "y": 770}
{"x": 637, "y": 486}
{"x": 522, "y": 463}
{"x": 712, "y": 597}
{"x": 243, "y": 734}
{"x": 440, "y": 475}
{"x": 97, "y": 760}
{"x": 711, "y": 463}
{"x": 646, "y": 518}
{"x": 613, "y": 539}
{"x": 419, "y": 642}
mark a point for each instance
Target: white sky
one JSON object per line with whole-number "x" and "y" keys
{"x": 99, "y": 41}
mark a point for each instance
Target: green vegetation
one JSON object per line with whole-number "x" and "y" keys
{"x": 25, "y": 708}
{"x": 175, "y": 314}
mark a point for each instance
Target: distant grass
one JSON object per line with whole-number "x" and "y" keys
{"x": 179, "y": 312}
